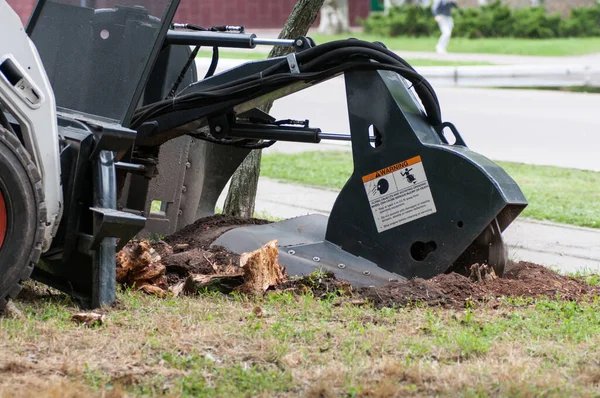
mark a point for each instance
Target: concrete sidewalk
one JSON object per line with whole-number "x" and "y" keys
{"x": 564, "y": 247}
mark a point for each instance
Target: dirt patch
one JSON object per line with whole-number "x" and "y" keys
{"x": 205, "y": 231}
{"x": 188, "y": 253}
{"x": 521, "y": 279}
{"x": 319, "y": 284}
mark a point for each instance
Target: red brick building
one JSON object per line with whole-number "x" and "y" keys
{"x": 251, "y": 13}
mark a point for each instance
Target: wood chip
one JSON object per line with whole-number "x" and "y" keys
{"x": 11, "y": 311}
{"x": 180, "y": 247}
{"x": 177, "y": 290}
{"x": 224, "y": 283}
{"x": 153, "y": 290}
{"x": 258, "y": 312}
{"x": 261, "y": 269}
{"x": 138, "y": 264}
{"x": 484, "y": 272}
{"x": 89, "y": 319}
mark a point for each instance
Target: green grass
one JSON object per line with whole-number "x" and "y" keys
{"x": 542, "y": 47}
{"x": 215, "y": 345}
{"x": 555, "y": 194}
{"x": 257, "y": 55}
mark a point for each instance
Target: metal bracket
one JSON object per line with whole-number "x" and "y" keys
{"x": 293, "y": 63}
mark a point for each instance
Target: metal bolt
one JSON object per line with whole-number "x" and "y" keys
{"x": 183, "y": 188}
{"x": 341, "y": 266}
{"x": 188, "y": 165}
{"x": 180, "y": 212}
{"x": 291, "y": 252}
{"x": 316, "y": 259}
{"x": 218, "y": 129}
{"x": 366, "y": 273}
{"x": 299, "y": 43}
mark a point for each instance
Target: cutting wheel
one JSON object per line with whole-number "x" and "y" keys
{"x": 3, "y": 219}
{"x": 488, "y": 248}
{"x": 22, "y": 212}
{"x": 497, "y": 250}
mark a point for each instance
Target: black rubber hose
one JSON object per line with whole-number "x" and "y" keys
{"x": 195, "y": 27}
{"x": 269, "y": 79}
{"x": 269, "y": 72}
{"x": 332, "y": 46}
{"x": 213, "y": 64}
{"x": 254, "y": 89}
{"x": 340, "y": 55}
{"x": 319, "y": 50}
{"x": 185, "y": 69}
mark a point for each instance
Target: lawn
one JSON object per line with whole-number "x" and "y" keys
{"x": 543, "y": 47}
{"x": 256, "y": 55}
{"x": 285, "y": 345}
{"x": 555, "y": 194}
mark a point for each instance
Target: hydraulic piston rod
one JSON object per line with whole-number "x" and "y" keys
{"x": 274, "y": 42}
{"x": 220, "y": 39}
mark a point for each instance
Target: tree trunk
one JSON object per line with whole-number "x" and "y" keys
{"x": 334, "y": 17}
{"x": 241, "y": 197}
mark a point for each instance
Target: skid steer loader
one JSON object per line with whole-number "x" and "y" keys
{"x": 102, "y": 114}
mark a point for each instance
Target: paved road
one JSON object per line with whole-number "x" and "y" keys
{"x": 529, "y": 126}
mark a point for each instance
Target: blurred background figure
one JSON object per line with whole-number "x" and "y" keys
{"x": 442, "y": 11}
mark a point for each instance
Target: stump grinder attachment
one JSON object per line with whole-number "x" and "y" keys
{"x": 102, "y": 115}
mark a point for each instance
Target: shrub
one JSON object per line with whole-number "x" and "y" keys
{"x": 583, "y": 22}
{"x": 402, "y": 21}
{"x": 535, "y": 23}
{"x": 492, "y": 20}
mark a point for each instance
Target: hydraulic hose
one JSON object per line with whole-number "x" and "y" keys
{"x": 316, "y": 64}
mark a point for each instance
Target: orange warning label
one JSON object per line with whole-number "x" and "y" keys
{"x": 399, "y": 194}
{"x": 391, "y": 169}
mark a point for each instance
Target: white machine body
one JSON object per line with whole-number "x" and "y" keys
{"x": 26, "y": 93}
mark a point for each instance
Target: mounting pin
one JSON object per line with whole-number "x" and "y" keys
{"x": 291, "y": 252}
{"x": 341, "y": 266}
{"x": 316, "y": 259}
{"x": 366, "y": 273}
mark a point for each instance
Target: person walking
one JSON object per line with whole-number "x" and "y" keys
{"x": 442, "y": 12}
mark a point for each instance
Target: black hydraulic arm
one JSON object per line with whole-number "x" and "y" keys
{"x": 256, "y": 83}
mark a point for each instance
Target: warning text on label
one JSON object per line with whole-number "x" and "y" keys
{"x": 399, "y": 195}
